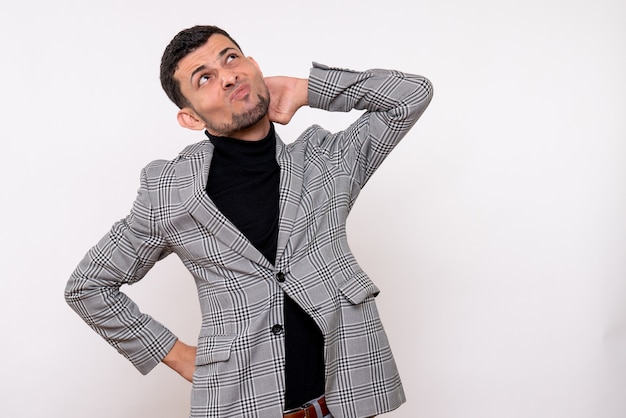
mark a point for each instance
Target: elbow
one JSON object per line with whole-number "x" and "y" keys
{"x": 426, "y": 88}
{"x": 70, "y": 294}
{"x": 421, "y": 96}
{"x": 73, "y": 292}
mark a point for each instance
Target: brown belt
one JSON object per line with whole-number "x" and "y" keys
{"x": 308, "y": 410}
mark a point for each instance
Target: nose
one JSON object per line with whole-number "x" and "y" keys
{"x": 229, "y": 79}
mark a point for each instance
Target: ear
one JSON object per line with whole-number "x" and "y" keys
{"x": 256, "y": 64}
{"x": 187, "y": 118}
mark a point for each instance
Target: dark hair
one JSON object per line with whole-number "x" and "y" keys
{"x": 185, "y": 42}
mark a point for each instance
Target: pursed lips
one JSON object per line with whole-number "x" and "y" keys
{"x": 240, "y": 92}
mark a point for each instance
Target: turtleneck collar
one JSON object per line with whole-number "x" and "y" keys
{"x": 243, "y": 152}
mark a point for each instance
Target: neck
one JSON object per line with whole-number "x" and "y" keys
{"x": 256, "y": 132}
{"x": 238, "y": 139}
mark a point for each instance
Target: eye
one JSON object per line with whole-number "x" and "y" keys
{"x": 231, "y": 57}
{"x": 203, "y": 79}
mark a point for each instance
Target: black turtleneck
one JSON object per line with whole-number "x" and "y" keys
{"x": 243, "y": 183}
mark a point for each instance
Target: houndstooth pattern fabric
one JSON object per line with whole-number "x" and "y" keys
{"x": 240, "y": 357}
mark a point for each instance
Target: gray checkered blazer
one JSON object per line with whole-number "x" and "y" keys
{"x": 240, "y": 357}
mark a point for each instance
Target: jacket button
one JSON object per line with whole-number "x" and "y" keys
{"x": 280, "y": 276}
{"x": 277, "y": 329}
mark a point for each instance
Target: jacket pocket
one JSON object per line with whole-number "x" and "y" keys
{"x": 358, "y": 288}
{"x": 214, "y": 348}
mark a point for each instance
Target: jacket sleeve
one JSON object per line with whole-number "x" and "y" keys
{"x": 393, "y": 101}
{"x": 123, "y": 256}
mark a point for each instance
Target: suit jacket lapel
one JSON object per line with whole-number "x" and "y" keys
{"x": 192, "y": 171}
{"x": 291, "y": 179}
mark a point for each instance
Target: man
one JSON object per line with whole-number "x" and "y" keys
{"x": 289, "y": 323}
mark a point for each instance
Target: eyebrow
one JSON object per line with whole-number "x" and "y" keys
{"x": 203, "y": 67}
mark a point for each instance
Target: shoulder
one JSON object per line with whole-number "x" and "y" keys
{"x": 162, "y": 170}
{"x": 310, "y": 137}
{"x": 193, "y": 151}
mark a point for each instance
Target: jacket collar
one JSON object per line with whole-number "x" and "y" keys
{"x": 192, "y": 170}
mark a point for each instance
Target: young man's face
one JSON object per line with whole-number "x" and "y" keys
{"x": 225, "y": 89}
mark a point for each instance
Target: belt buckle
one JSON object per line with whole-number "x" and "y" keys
{"x": 304, "y": 408}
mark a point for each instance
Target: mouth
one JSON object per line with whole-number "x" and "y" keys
{"x": 240, "y": 93}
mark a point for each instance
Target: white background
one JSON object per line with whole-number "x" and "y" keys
{"x": 496, "y": 230}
